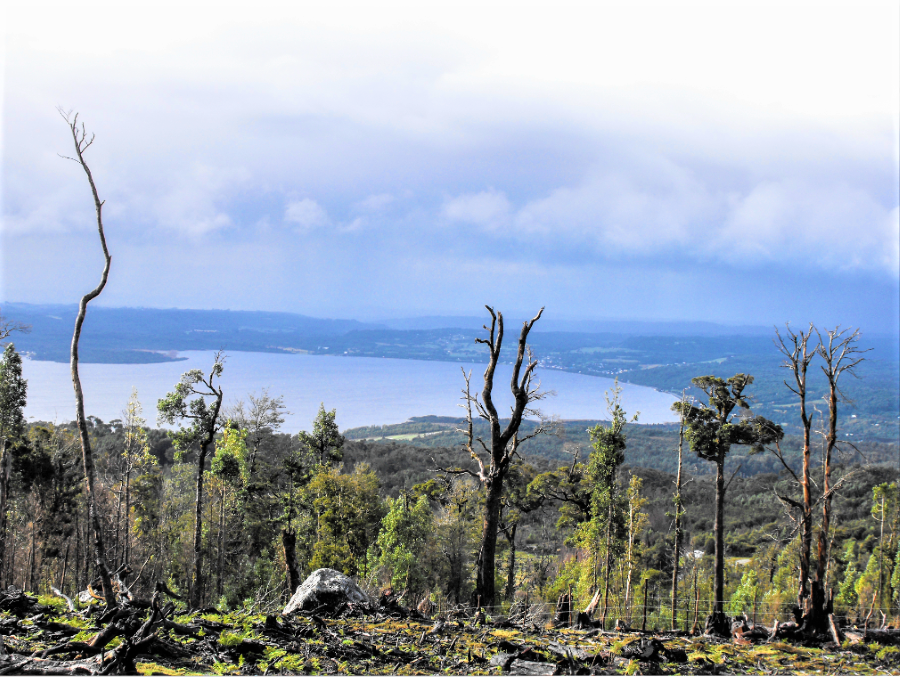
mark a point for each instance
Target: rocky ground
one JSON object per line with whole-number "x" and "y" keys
{"x": 43, "y": 636}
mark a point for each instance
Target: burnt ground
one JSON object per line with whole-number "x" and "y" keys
{"x": 42, "y": 636}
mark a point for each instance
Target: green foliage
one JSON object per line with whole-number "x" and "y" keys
{"x": 847, "y": 597}
{"x": 325, "y": 443}
{"x": 230, "y": 460}
{"x": 713, "y": 429}
{"x": 746, "y": 595}
{"x": 203, "y": 416}
{"x": 605, "y": 530}
{"x": 398, "y": 553}
{"x": 13, "y": 393}
{"x": 348, "y": 513}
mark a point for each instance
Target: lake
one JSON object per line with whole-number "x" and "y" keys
{"x": 364, "y": 390}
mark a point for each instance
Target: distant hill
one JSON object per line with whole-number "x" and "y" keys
{"x": 663, "y": 355}
{"x": 127, "y": 335}
{"x": 551, "y": 325}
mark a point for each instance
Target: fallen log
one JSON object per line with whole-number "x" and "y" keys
{"x": 835, "y": 630}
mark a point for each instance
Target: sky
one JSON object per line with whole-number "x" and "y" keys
{"x": 724, "y": 161}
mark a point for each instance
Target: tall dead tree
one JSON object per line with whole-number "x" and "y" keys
{"x": 82, "y": 143}
{"x": 798, "y": 355}
{"x": 504, "y": 441}
{"x": 841, "y": 354}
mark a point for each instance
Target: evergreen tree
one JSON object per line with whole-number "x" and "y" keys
{"x": 398, "y": 553}
{"x": 13, "y": 391}
{"x": 711, "y": 432}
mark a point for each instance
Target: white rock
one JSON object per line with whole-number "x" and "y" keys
{"x": 326, "y": 587}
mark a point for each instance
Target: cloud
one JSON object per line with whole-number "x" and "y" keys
{"x": 375, "y": 203}
{"x": 489, "y": 208}
{"x": 658, "y": 207}
{"x": 306, "y": 213}
{"x": 838, "y": 225}
{"x": 192, "y": 202}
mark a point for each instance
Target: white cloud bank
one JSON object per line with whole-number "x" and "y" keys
{"x": 833, "y": 226}
{"x": 728, "y": 133}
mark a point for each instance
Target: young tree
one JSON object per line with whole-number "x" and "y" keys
{"x": 201, "y": 433}
{"x": 315, "y": 452}
{"x": 135, "y": 458}
{"x": 607, "y": 510}
{"x": 325, "y": 443}
{"x": 884, "y": 508}
{"x": 504, "y": 441}
{"x": 229, "y": 473}
{"x": 711, "y": 431}
{"x": 679, "y": 515}
{"x": 637, "y": 523}
{"x": 516, "y": 503}
{"x": 13, "y": 390}
{"x": 400, "y": 547}
{"x": 348, "y": 513}
{"x": 82, "y": 143}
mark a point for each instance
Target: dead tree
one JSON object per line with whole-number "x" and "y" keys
{"x": 82, "y": 143}
{"x": 504, "y": 441}
{"x": 840, "y": 354}
{"x": 798, "y": 355}
{"x": 7, "y": 327}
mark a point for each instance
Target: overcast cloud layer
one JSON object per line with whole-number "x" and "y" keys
{"x": 724, "y": 161}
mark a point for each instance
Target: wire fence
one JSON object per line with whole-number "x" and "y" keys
{"x": 659, "y": 612}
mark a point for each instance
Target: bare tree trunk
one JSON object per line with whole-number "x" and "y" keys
{"x": 717, "y": 620}
{"x": 678, "y": 532}
{"x": 77, "y": 550}
{"x": 511, "y": 570}
{"x": 81, "y": 145}
{"x": 289, "y": 544}
{"x": 31, "y": 561}
{"x": 881, "y": 559}
{"x": 606, "y": 564}
{"x": 485, "y": 574}
{"x": 197, "y": 584}
{"x": 117, "y": 529}
{"x": 62, "y": 579}
{"x": 629, "y": 564}
{"x": 127, "y": 552}
{"x": 221, "y": 563}
{"x": 5, "y": 466}
{"x": 840, "y": 354}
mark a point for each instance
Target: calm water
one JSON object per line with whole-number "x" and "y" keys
{"x": 364, "y": 390}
